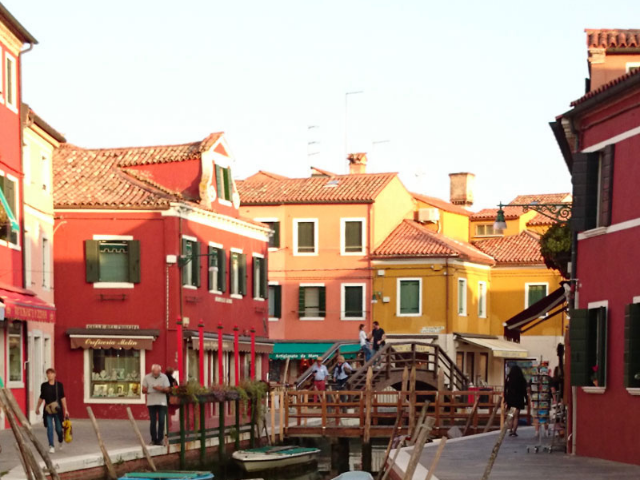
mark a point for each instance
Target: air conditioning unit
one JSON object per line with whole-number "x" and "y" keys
{"x": 429, "y": 215}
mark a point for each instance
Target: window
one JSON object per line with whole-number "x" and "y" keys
{"x": 482, "y": 299}
{"x": 352, "y": 233}
{"x": 462, "y": 296}
{"x": 534, "y": 292}
{"x": 224, "y": 183}
{"x": 11, "y": 85}
{"x": 588, "y": 337}
{"x": 632, "y": 346}
{"x": 112, "y": 261}
{"x": 312, "y": 302}
{"x": 305, "y": 237}
{"x": 238, "y": 273}
{"x": 26, "y": 162}
{"x": 15, "y": 352}
{"x": 46, "y": 264}
{"x": 259, "y": 277}
{"x": 217, "y": 269}
{"x": 486, "y": 230}
{"x": 115, "y": 373}
{"x": 45, "y": 168}
{"x": 274, "y": 239}
{"x": 470, "y": 366}
{"x": 275, "y": 301}
{"x": 191, "y": 262}
{"x": 593, "y": 189}
{"x": 8, "y": 210}
{"x": 193, "y": 365}
{"x": 410, "y": 297}
{"x": 353, "y": 301}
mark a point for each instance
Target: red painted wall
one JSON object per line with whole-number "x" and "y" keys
{"x": 79, "y": 303}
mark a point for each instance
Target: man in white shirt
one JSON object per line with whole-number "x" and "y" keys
{"x": 320, "y": 374}
{"x": 365, "y": 345}
{"x": 156, "y": 386}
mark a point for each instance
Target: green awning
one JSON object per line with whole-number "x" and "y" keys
{"x": 301, "y": 351}
{"x": 10, "y": 216}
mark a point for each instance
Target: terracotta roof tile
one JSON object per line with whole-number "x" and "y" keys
{"x": 412, "y": 239}
{"x": 593, "y": 93}
{"x": 511, "y": 213}
{"x": 264, "y": 175}
{"x": 442, "y": 204}
{"x": 523, "y": 248}
{"x": 315, "y": 171}
{"x": 612, "y": 38}
{"x": 362, "y": 188}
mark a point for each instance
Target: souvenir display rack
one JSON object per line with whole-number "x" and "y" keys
{"x": 540, "y": 391}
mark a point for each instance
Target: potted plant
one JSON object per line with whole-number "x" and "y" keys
{"x": 218, "y": 393}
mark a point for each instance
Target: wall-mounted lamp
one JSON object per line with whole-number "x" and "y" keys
{"x": 376, "y": 296}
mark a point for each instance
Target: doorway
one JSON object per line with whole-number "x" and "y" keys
{"x": 36, "y": 368}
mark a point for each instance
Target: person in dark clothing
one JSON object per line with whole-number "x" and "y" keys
{"x": 515, "y": 395}
{"x": 378, "y": 336}
{"x": 557, "y": 383}
{"x": 55, "y": 408}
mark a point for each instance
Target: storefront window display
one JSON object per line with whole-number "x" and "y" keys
{"x": 115, "y": 373}
{"x": 15, "y": 352}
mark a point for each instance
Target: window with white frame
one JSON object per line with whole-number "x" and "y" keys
{"x": 486, "y": 230}
{"x": 259, "y": 277}
{"x": 534, "y": 292}
{"x": 353, "y": 301}
{"x": 409, "y": 297}
{"x": 217, "y": 268}
{"x": 115, "y": 375}
{"x": 112, "y": 260}
{"x": 312, "y": 301}
{"x": 11, "y": 85}
{"x": 305, "y": 236}
{"x": 15, "y": 353}
{"x": 238, "y": 272}
{"x": 275, "y": 301}
{"x": 462, "y": 296}
{"x": 9, "y": 210}
{"x": 352, "y": 234}
{"x": 482, "y": 299}
{"x": 46, "y": 263}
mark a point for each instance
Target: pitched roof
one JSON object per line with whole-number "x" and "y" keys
{"x": 412, "y": 239}
{"x": 633, "y": 77}
{"x": 613, "y": 38}
{"x": 15, "y": 26}
{"x": 99, "y": 177}
{"x": 542, "y": 198}
{"x": 361, "y": 188}
{"x": 442, "y": 204}
{"x": 523, "y": 248}
{"x": 315, "y": 171}
{"x": 264, "y": 175}
{"x": 511, "y": 213}
{"x": 29, "y": 117}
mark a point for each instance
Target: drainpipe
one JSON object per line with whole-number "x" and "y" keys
{"x": 369, "y": 262}
{"x": 180, "y": 282}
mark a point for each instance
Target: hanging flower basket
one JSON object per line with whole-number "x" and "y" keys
{"x": 232, "y": 395}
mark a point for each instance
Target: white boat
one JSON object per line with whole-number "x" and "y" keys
{"x": 266, "y": 458}
{"x": 355, "y": 475}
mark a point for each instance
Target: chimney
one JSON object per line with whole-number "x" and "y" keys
{"x": 357, "y": 162}
{"x": 461, "y": 192}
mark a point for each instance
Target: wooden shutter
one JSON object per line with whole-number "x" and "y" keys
{"x": 579, "y": 344}
{"x": 301, "y": 306}
{"x": 242, "y": 272}
{"x": 195, "y": 264}
{"x": 264, "y": 281}
{"x": 228, "y": 183}
{"x": 212, "y": 261}
{"x": 134, "y": 261}
{"x": 256, "y": 272}
{"x": 322, "y": 295}
{"x": 185, "y": 265}
{"x": 584, "y": 178}
{"x": 606, "y": 186}
{"x": 632, "y": 345}
{"x": 599, "y": 318}
{"x": 222, "y": 270}
{"x": 277, "y": 301}
{"x": 92, "y": 260}
{"x": 220, "y": 182}
{"x": 275, "y": 239}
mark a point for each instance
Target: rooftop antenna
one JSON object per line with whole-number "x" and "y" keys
{"x": 309, "y": 145}
{"x": 346, "y": 125}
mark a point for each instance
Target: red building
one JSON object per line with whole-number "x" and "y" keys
{"x": 600, "y": 140}
{"x": 21, "y": 311}
{"x": 145, "y": 236}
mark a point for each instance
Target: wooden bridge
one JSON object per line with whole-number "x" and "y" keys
{"x": 435, "y": 370}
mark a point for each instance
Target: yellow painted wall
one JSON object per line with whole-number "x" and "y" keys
{"x": 514, "y": 226}
{"x": 392, "y": 205}
{"x": 451, "y": 224}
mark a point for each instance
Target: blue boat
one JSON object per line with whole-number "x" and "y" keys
{"x": 168, "y": 476}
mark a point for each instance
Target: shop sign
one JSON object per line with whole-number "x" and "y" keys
{"x": 20, "y": 312}
{"x": 100, "y": 326}
{"x": 125, "y": 343}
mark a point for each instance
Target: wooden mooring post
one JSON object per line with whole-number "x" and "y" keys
{"x": 136, "y": 430}
{"x": 183, "y": 443}
{"x": 111, "y": 471}
{"x": 203, "y": 435}
{"x": 366, "y": 442}
{"x": 237, "y": 439}
{"x": 221, "y": 427}
{"x": 496, "y": 447}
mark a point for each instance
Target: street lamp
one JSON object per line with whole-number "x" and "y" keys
{"x": 559, "y": 212}
{"x": 500, "y": 225}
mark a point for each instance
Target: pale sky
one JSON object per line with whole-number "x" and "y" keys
{"x": 452, "y": 86}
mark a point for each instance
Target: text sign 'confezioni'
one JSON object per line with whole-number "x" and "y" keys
{"x": 117, "y": 343}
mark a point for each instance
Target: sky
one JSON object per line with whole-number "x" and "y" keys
{"x": 446, "y": 86}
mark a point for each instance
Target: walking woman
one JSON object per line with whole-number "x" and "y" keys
{"x": 515, "y": 395}
{"x": 55, "y": 408}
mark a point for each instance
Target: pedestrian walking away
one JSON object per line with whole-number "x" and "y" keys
{"x": 320, "y": 374}
{"x": 365, "y": 345}
{"x": 341, "y": 373}
{"x": 55, "y": 408}
{"x": 515, "y": 395}
{"x": 156, "y": 386}
{"x": 378, "y": 337}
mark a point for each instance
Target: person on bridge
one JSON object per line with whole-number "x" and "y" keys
{"x": 379, "y": 336}
{"x": 365, "y": 344}
{"x": 341, "y": 373}
{"x": 320, "y": 374}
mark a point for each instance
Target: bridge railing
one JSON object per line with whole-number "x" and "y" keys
{"x": 335, "y": 413}
{"x": 329, "y": 359}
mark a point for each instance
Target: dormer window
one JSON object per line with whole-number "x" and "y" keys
{"x": 224, "y": 183}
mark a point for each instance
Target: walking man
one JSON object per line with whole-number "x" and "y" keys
{"x": 55, "y": 408}
{"x": 378, "y": 335}
{"x": 320, "y": 374}
{"x": 156, "y": 386}
{"x": 341, "y": 373}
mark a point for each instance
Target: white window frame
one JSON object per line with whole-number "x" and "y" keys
{"x": 116, "y": 400}
{"x": 485, "y": 234}
{"x": 254, "y": 279}
{"x": 114, "y": 285}
{"x": 526, "y": 291}
{"x": 47, "y": 269}
{"x": 7, "y": 243}
{"x": 482, "y": 300}
{"x": 465, "y": 292}
{"x": 274, "y": 284}
{"x": 314, "y": 319}
{"x": 343, "y": 299}
{"x": 600, "y": 389}
{"x": 297, "y": 221}
{"x": 12, "y": 103}
{"x": 219, "y": 246}
{"x": 274, "y": 220}
{"x": 629, "y": 65}
{"x": 398, "y": 297}
{"x": 16, "y": 383}
{"x": 343, "y": 237}
{"x": 237, "y": 296}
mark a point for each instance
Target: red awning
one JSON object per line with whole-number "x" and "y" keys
{"x": 21, "y": 304}
{"x": 538, "y": 312}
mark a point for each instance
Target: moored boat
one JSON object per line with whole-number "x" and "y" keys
{"x": 266, "y": 458}
{"x": 355, "y": 475}
{"x": 168, "y": 476}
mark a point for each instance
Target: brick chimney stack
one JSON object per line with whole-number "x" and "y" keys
{"x": 461, "y": 192}
{"x": 357, "y": 162}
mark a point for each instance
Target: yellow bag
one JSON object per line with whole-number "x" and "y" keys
{"x": 67, "y": 430}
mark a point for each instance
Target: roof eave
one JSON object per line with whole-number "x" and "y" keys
{"x": 605, "y": 95}
{"x": 271, "y": 204}
{"x": 16, "y": 27}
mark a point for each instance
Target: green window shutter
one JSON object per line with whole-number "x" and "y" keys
{"x": 228, "y": 183}
{"x": 353, "y": 236}
{"x": 134, "y": 261}
{"x": 322, "y": 295}
{"x": 301, "y": 306}
{"x": 579, "y": 336}
{"x": 220, "y": 182}
{"x": 277, "y": 294}
{"x": 409, "y": 296}
{"x": 195, "y": 263}
{"x": 222, "y": 270}
{"x": 606, "y": 186}
{"x": 632, "y": 346}
{"x": 601, "y": 346}
{"x": 264, "y": 281}
{"x": 584, "y": 177}
{"x": 92, "y": 260}
{"x": 536, "y": 293}
{"x": 212, "y": 262}
{"x": 186, "y": 266}
{"x": 10, "y": 194}
{"x": 242, "y": 272}
{"x": 256, "y": 272}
